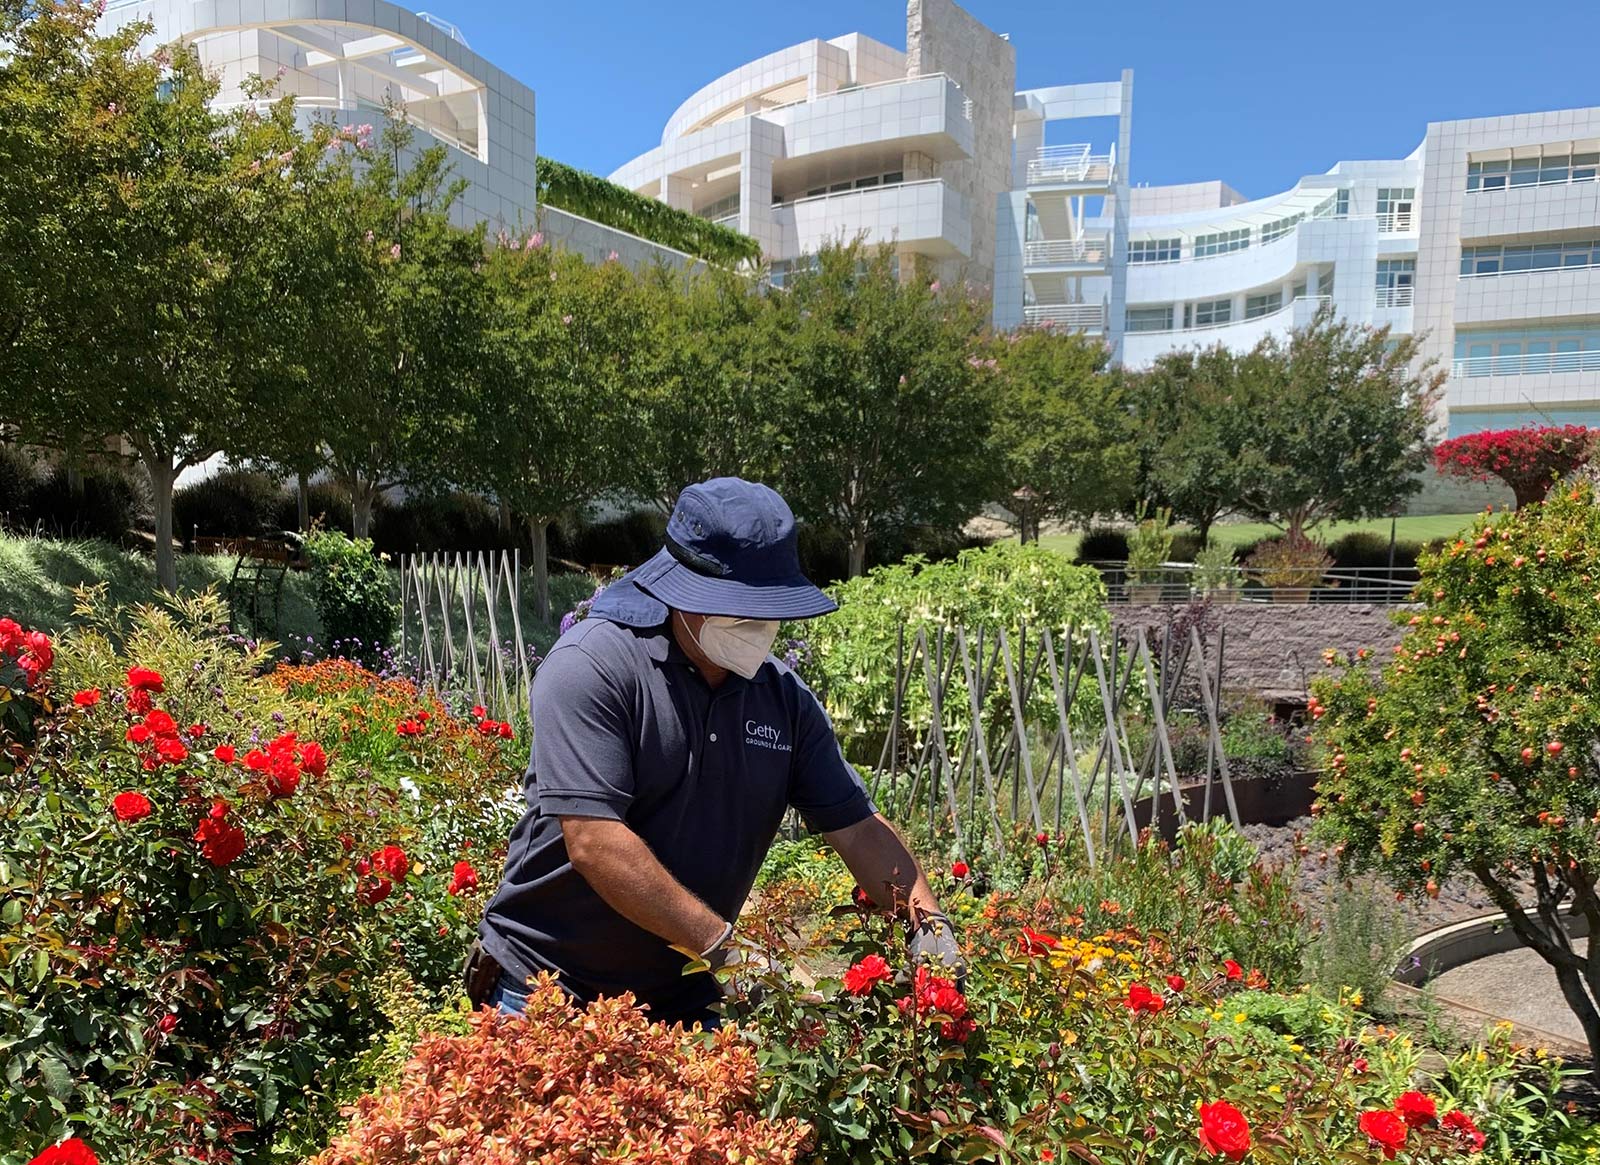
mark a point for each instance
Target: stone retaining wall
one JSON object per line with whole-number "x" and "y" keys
{"x": 1275, "y": 649}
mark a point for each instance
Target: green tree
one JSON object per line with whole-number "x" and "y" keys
{"x": 706, "y": 380}
{"x": 1192, "y": 422}
{"x": 182, "y": 194}
{"x": 1061, "y": 427}
{"x": 554, "y": 419}
{"x": 1475, "y": 752}
{"x": 1337, "y": 422}
{"x": 886, "y": 405}
{"x": 398, "y": 322}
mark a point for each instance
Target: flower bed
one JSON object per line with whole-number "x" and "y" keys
{"x": 205, "y": 873}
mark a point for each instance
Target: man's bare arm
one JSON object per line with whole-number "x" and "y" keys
{"x": 629, "y": 878}
{"x": 882, "y": 864}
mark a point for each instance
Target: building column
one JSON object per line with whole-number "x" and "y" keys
{"x": 677, "y": 191}
{"x": 1119, "y": 221}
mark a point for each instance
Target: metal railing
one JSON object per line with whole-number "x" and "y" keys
{"x": 1179, "y": 582}
{"x": 1070, "y": 163}
{"x": 1394, "y": 222}
{"x": 1400, "y": 296}
{"x": 1530, "y": 363}
{"x": 1502, "y": 187}
{"x": 878, "y": 189}
{"x": 1232, "y": 322}
{"x": 1531, "y": 270}
{"x": 1089, "y": 249}
{"x": 1083, "y": 317}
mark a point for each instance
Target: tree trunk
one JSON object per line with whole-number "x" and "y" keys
{"x": 1203, "y": 528}
{"x": 858, "y": 554}
{"x": 539, "y": 554}
{"x": 363, "y": 494}
{"x": 162, "y": 476}
{"x": 302, "y": 485}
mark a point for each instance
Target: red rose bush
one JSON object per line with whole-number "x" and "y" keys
{"x": 189, "y": 950}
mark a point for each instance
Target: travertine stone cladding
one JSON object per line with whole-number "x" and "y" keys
{"x": 1274, "y": 650}
{"x": 942, "y": 38}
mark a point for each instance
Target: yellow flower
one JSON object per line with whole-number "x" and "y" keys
{"x": 1355, "y": 999}
{"x": 1296, "y": 1048}
{"x": 1275, "y": 1090}
{"x": 1239, "y": 1017}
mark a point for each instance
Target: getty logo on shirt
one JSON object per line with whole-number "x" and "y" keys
{"x": 764, "y": 736}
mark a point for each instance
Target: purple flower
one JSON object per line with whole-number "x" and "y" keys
{"x": 568, "y": 621}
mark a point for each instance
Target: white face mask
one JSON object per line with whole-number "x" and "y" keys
{"x": 740, "y": 645}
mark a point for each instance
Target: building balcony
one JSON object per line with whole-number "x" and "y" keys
{"x": 1072, "y": 165}
{"x": 1395, "y": 297}
{"x": 928, "y": 217}
{"x": 1072, "y": 317}
{"x": 1090, "y": 253}
{"x": 929, "y": 114}
{"x": 1543, "y": 294}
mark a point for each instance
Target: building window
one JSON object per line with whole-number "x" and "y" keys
{"x": 1150, "y": 319}
{"x": 1154, "y": 250}
{"x": 1502, "y": 260}
{"x": 1396, "y": 278}
{"x": 1519, "y": 352}
{"x": 1553, "y": 166}
{"x": 721, "y": 208}
{"x": 1395, "y": 207}
{"x": 1336, "y": 205}
{"x": 1273, "y": 231}
{"x": 1256, "y": 306}
{"x": 1299, "y": 291}
{"x": 1207, "y": 312}
{"x": 1221, "y": 243}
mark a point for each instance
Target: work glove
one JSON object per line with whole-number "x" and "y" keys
{"x": 933, "y": 944}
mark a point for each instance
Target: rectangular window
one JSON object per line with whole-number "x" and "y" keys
{"x": 1524, "y": 171}
{"x": 894, "y": 177}
{"x": 1150, "y": 319}
{"x": 1395, "y": 205}
{"x": 1299, "y": 290}
{"x": 1207, "y": 312}
{"x": 863, "y": 183}
{"x": 1499, "y": 260}
{"x": 1256, "y": 306}
{"x": 1554, "y": 165}
{"x": 1221, "y": 243}
{"x": 1396, "y": 278}
{"x": 1154, "y": 250}
{"x": 1277, "y": 228}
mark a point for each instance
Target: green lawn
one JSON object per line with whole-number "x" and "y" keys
{"x": 1418, "y": 529}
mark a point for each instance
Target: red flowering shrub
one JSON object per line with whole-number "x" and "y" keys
{"x": 71, "y": 1151}
{"x": 1223, "y": 1131}
{"x": 188, "y": 949}
{"x": 1529, "y": 460}
{"x": 25, "y": 658}
{"x": 559, "y": 1084}
{"x": 1385, "y": 1130}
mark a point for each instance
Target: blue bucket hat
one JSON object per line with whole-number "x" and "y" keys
{"x": 731, "y": 550}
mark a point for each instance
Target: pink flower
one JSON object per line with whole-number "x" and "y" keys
{"x": 369, "y": 236}
{"x": 611, "y": 258}
{"x": 394, "y": 251}
{"x": 566, "y": 319}
{"x": 934, "y": 287}
{"x": 535, "y": 241}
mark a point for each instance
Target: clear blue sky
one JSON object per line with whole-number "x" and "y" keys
{"x": 1255, "y": 94}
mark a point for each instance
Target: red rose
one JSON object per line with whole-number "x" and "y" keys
{"x": 171, "y": 750}
{"x": 196, "y": 731}
{"x": 408, "y": 728}
{"x": 463, "y": 877}
{"x": 87, "y": 698}
{"x": 284, "y": 777}
{"x": 131, "y": 806}
{"x": 161, "y": 723}
{"x": 1033, "y": 942}
{"x": 138, "y": 701}
{"x": 1223, "y": 1131}
{"x": 71, "y": 1151}
{"x": 285, "y": 745}
{"x": 139, "y": 734}
{"x": 257, "y": 761}
{"x": 958, "y": 1030}
{"x": 479, "y": 711}
{"x": 224, "y": 753}
{"x": 10, "y": 637}
{"x": 506, "y": 731}
{"x": 1232, "y": 969}
{"x": 1175, "y": 982}
{"x": 1385, "y": 1130}
{"x": 167, "y": 1022}
{"x": 313, "y": 759}
{"x": 960, "y": 870}
{"x": 1462, "y": 1125}
{"x": 220, "y": 842}
{"x": 859, "y": 979}
{"x": 1359, "y": 1065}
{"x": 374, "y": 891}
{"x": 392, "y": 860}
{"x": 1043, "y": 839}
{"x": 38, "y": 646}
{"x": 142, "y": 679}
{"x": 489, "y": 727}
{"x": 1141, "y": 999}
{"x": 1415, "y": 1109}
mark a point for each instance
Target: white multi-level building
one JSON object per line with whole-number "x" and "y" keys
{"x": 1485, "y": 240}
{"x": 350, "y": 60}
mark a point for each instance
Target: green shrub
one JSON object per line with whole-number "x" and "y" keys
{"x": 624, "y": 541}
{"x": 107, "y": 501}
{"x": 1365, "y": 548}
{"x": 233, "y": 503}
{"x": 354, "y": 601}
{"x": 449, "y": 522}
{"x": 19, "y": 477}
{"x": 329, "y": 506}
{"x": 179, "y": 982}
{"x": 1360, "y": 938}
{"x": 1185, "y": 545}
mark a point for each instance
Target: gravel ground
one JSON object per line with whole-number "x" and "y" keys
{"x": 1460, "y": 898}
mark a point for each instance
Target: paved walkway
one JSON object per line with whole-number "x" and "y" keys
{"x": 1518, "y": 985}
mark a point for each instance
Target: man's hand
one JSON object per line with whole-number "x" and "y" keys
{"x": 933, "y": 944}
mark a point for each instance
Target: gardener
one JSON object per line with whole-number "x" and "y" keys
{"x": 667, "y": 745}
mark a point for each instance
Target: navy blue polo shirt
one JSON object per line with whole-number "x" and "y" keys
{"x": 626, "y": 728}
